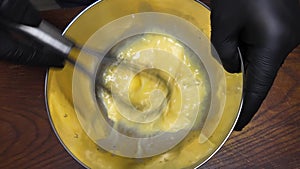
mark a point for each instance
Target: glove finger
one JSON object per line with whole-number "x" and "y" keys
{"x": 263, "y": 57}
{"x": 20, "y": 11}
{"x": 224, "y": 35}
{"x": 28, "y": 53}
{"x": 263, "y": 65}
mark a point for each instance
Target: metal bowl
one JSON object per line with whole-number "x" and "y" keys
{"x": 77, "y": 117}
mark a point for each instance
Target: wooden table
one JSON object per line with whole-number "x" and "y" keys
{"x": 271, "y": 140}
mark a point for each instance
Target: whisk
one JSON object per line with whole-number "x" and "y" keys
{"x": 52, "y": 37}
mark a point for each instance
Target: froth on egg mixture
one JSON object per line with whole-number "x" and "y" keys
{"x": 154, "y": 85}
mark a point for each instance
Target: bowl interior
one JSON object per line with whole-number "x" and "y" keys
{"x": 78, "y": 119}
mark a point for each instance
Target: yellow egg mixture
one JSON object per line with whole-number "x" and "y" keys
{"x": 154, "y": 90}
{"x": 190, "y": 152}
{"x": 143, "y": 90}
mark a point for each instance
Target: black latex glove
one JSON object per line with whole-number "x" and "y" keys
{"x": 266, "y": 31}
{"x": 22, "y": 50}
{"x": 74, "y": 3}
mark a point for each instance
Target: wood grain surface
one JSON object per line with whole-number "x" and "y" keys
{"x": 271, "y": 140}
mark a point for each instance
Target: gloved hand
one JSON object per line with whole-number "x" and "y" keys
{"x": 22, "y": 50}
{"x": 266, "y": 31}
